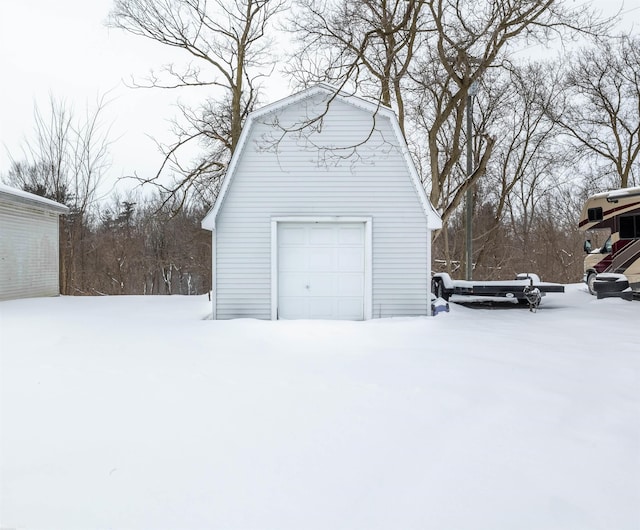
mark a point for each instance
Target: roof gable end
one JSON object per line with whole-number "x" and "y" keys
{"x": 433, "y": 219}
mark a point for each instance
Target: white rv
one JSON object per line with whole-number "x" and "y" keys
{"x": 613, "y": 268}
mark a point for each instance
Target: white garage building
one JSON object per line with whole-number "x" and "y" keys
{"x": 29, "y": 244}
{"x": 321, "y": 215}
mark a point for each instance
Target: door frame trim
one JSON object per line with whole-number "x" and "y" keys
{"x": 368, "y": 255}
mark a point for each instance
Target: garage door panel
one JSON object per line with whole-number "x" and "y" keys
{"x": 351, "y": 259}
{"x": 291, "y": 235}
{"x": 351, "y": 235}
{"x": 323, "y": 259}
{"x": 350, "y": 309}
{"x": 350, "y": 285}
{"x": 322, "y": 235}
{"x": 323, "y": 284}
{"x": 293, "y": 259}
{"x": 321, "y": 308}
{"x": 293, "y": 284}
{"x": 291, "y": 308}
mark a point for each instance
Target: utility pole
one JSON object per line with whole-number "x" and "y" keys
{"x": 473, "y": 89}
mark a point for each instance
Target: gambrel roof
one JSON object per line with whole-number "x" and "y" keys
{"x": 434, "y": 221}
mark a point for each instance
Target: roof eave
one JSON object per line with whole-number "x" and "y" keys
{"x": 40, "y": 203}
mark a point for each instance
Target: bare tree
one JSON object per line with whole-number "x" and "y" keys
{"x": 141, "y": 247}
{"x": 228, "y": 49}
{"x": 470, "y": 39}
{"x": 603, "y": 109}
{"x": 525, "y": 165}
{"x": 422, "y": 57}
{"x": 46, "y": 165}
{"x": 67, "y": 157}
{"x": 66, "y": 161}
{"x": 368, "y": 45}
{"x": 528, "y": 160}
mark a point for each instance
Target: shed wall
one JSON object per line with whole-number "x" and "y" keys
{"x": 351, "y": 166}
{"x": 29, "y": 252}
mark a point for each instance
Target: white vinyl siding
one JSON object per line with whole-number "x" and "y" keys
{"x": 28, "y": 251}
{"x": 307, "y": 176}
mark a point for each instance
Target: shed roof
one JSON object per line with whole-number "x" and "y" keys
{"x": 24, "y": 197}
{"x": 433, "y": 218}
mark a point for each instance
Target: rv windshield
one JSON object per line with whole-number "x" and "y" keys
{"x": 600, "y": 240}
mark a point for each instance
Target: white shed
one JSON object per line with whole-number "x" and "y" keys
{"x": 321, "y": 215}
{"x": 29, "y": 244}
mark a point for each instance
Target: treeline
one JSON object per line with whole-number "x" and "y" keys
{"x": 142, "y": 246}
{"x": 546, "y": 241}
{"x": 139, "y": 243}
{"x": 135, "y": 246}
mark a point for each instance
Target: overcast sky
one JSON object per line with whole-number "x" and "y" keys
{"x": 64, "y": 48}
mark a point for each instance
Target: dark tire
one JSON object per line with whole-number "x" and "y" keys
{"x": 610, "y": 286}
{"x": 437, "y": 288}
{"x": 591, "y": 280}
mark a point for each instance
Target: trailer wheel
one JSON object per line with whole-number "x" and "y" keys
{"x": 437, "y": 288}
{"x": 591, "y": 280}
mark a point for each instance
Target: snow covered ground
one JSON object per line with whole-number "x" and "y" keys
{"x": 132, "y": 413}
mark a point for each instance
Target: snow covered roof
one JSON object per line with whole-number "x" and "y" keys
{"x": 617, "y": 194}
{"x": 433, "y": 218}
{"x": 624, "y": 192}
{"x": 24, "y": 197}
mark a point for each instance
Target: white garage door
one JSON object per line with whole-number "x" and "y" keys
{"x": 321, "y": 270}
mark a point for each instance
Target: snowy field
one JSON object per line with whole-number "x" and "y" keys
{"x": 138, "y": 413}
